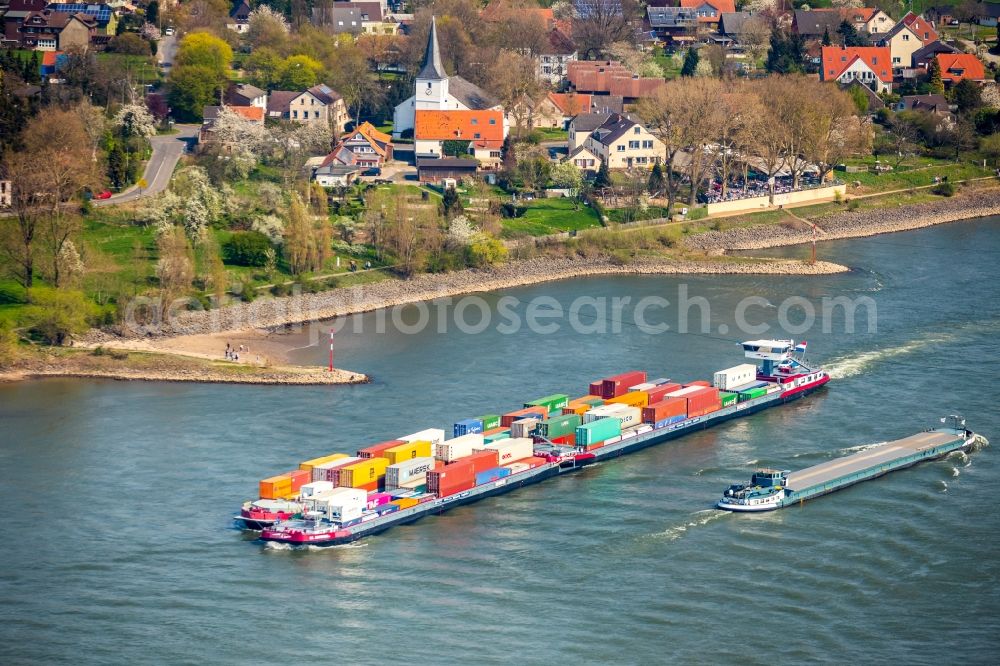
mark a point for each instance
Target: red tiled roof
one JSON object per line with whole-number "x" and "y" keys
{"x": 921, "y": 26}
{"x": 571, "y": 104}
{"x": 836, "y": 59}
{"x": 721, "y": 7}
{"x": 458, "y": 125}
{"x": 956, "y": 67}
{"x": 254, "y": 113}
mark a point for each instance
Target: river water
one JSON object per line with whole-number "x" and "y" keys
{"x": 118, "y": 496}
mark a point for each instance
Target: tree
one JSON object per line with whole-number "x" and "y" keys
{"x": 785, "y": 56}
{"x": 486, "y": 251}
{"x": 267, "y": 28}
{"x": 513, "y": 79}
{"x": 246, "y": 248}
{"x": 129, "y": 43}
{"x": 135, "y": 120}
{"x": 153, "y": 12}
{"x": 989, "y": 146}
{"x": 53, "y": 167}
{"x": 690, "y": 63}
{"x": 826, "y": 37}
{"x": 756, "y": 36}
{"x": 264, "y": 67}
{"x": 300, "y": 247}
{"x": 451, "y": 203}
{"x": 203, "y": 49}
{"x": 566, "y": 176}
{"x": 175, "y": 266}
{"x": 192, "y": 88}
{"x": 655, "y": 183}
{"x": 599, "y": 23}
{"x": 967, "y": 96}
{"x": 603, "y": 178}
{"x": 455, "y": 148}
{"x": 56, "y": 315}
{"x": 834, "y": 131}
{"x": 849, "y": 35}
{"x": 934, "y": 76}
{"x": 299, "y": 72}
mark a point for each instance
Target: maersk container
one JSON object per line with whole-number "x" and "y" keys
{"x": 489, "y": 475}
{"x": 407, "y": 471}
{"x": 459, "y": 447}
{"x": 490, "y": 421}
{"x": 418, "y": 448}
{"x": 735, "y": 376}
{"x": 550, "y": 402}
{"x": 529, "y": 412}
{"x": 433, "y": 435}
{"x": 727, "y": 398}
{"x": 497, "y": 435}
{"x": 467, "y": 427}
{"x": 559, "y": 426}
{"x": 326, "y": 471}
{"x": 512, "y": 450}
{"x": 618, "y": 384}
{"x": 523, "y": 427}
{"x": 598, "y": 431}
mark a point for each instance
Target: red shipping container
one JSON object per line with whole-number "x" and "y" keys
{"x": 453, "y": 489}
{"x": 300, "y": 477}
{"x": 594, "y": 446}
{"x": 533, "y": 462}
{"x": 617, "y": 385}
{"x": 656, "y": 394}
{"x": 370, "y": 487}
{"x": 703, "y": 402}
{"x": 527, "y": 412}
{"x": 463, "y": 469}
{"x": 700, "y": 382}
{"x": 492, "y": 431}
{"x": 566, "y": 440}
{"x": 374, "y": 450}
{"x": 595, "y": 388}
{"x": 664, "y": 410}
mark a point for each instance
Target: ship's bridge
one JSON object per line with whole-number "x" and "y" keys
{"x": 768, "y": 350}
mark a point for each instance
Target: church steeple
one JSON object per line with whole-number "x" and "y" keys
{"x": 432, "y": 69}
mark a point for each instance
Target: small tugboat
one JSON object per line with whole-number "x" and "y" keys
{"x": 263, "y": 513}
{"x": 764, "y": 492}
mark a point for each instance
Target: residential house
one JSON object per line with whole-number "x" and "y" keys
{"x": 551, "y": 64}
{"x": 239, "y": 17}
{"x": 814, "y": 23}
{"x": 988, "y": 13}
{"x": 869, "y": 65}
{"x": 434, "y": 90}
{"x": 335, "y": 175}
{"x": 13, "y": 18}
{"x": 211, "y": 113}
{"x": 936, "y": 104}
{"x": 624, "y": 144}
{"x": 319, "y": 104}
{"x": 709, "y": 12}
{"x": 6, "y": 193}
{"x": 244, "y": 94}
{"x": 672, "y": 24}
{"x": 582, "y": 125}
{"x": 868, "y": 20}
{"x": 902, "y": 42}
{"x": 105, "y": 16}
{"x": 484, "y": 130}
{"x": 354, "y": 18}
{"x": 610, "y": 77}
{"x": 584, "y": 159}
{"x": 956, "y": 67}
{"x": 732, "y": 24}
{"x": 49, "y": 30}
{"x": 364, "y": 147}
{"x": 923, "y": 28}
{"x": 923, "y": 56}
{"x": 571, "y": 104}
{"x": 434, "y": 170}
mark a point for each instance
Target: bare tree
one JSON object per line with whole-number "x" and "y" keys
{"x": 756, "y": 37}
{"x": 600, "y": 23}
{"x": 834, "y": 131}
{"x": 175, "y": 266}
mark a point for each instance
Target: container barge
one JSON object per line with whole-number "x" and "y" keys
{"x": 770, "y": 489}
{"x": 339, "y": 498}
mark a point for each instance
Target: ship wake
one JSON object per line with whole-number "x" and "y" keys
{"x": 697, "y": 519}
{"x": 851, "y": 366}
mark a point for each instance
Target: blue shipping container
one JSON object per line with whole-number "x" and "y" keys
{"x": 491, "y": 475}
{"x": 468, "y": 427}
{"x": 386, "y": 508}
{"x": 666, "y": 422}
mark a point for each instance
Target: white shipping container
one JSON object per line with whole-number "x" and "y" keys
{"x": 735, "y": 376}
{"x": 630, "y": 416}
{"x": 518, "y": 467}
{"x": 345, "y": 504}
{"x": 513, "y": 449}
{"x": 680, "y": 393}
{"x": 410, "y": 470}
{"x": 641, "y": 387}
{"x": 315, "y": 488}
{"x": 604, "y": 411}
{"x": 321, "y": 472}
{"x": 522, "y": 427}
{"x": 433, "y": 435}
{"x": 459, "y": 447}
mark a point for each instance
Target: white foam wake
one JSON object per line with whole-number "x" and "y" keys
{"x": 698, "y": 519}
{"x": 851, "y": 366}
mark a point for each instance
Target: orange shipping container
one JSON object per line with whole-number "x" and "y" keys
{"x": 700, "y": 382}
{"x": 406, "y": 502}
{"x": 408, "y": 451}
{"x": 362, "y": 473}
{"x": 657, "y": 394}
{"x": 633, "y": 399}
{"x": 377, "y": 449}
{"x": 309, "y": 464}
{"x": 527, "y": 412}
{"x": 665, "y": 409}
{"x": 276, "y": 487}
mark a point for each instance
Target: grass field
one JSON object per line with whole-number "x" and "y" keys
{"x": 914, "y": 172}
{"x": 141, "y": 67}
{"x": 549, "y": 216}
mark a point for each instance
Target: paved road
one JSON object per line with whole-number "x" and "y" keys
{"x": 167, "y": 151}
{"x": 166, "y": 50}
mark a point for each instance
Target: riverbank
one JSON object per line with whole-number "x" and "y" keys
{"x": 136, "y": 362}
{"x": 852, "y": 224}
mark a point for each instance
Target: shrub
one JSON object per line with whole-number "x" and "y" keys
{"x": 945, "y": 189}
{"x": 281, "y": 289}
{"x": 486, "y": 251}
{"x": 697, "y": 213}
{"x": 246, "y": 248}
{"x": 57, "y": 315}
{"x": 248, "y": 293}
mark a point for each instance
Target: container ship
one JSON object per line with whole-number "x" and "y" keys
{"x": 770, "y": 489}
{"x": 340, "y": 497}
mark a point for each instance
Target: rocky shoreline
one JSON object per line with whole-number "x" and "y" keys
{"x": 853, "y": 224}
{"x": 273, "y": 313}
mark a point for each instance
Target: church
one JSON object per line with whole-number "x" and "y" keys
{"x": 434, "y": 90}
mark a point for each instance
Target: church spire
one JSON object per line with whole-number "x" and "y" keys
{"x": 432, "y": 69}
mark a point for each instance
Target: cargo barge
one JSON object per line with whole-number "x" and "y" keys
{"x": 493, "y": 455}
{"x": 770, "y": 489}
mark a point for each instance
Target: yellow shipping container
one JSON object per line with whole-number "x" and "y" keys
{"x": 416, "y": 449}
{"x": 633, "y": 399}
{"x": 309, "y": 464}
{"x": 363, "y": 472}
{"x": 406, "y": 502}
{"x": 276, "y": 487}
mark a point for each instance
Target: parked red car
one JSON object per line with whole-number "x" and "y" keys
{"x": 106, "y": 194}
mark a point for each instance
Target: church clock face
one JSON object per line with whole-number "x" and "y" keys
{"x": 428, "y": 90}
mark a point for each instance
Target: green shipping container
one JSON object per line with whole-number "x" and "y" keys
{"x": 496, "y": 437}
{"x": 750, "y": 394}
{"x": 727, "y": 398}
{"x": 552, "y": 402}
{"x": 559, "y": 426}
{"x": 598, "y": 431}
{"x": 490, "y": 421}
{"x": 596, "y": 402}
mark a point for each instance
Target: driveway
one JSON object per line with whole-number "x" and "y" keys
{"x": 167, "y": 151}
{"x": 166, "y": 50}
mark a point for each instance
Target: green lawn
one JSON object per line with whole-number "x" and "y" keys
{"x": 553, "y": 133}
{"x": 142, "y": 67}
{"x": 549, "y": 216}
